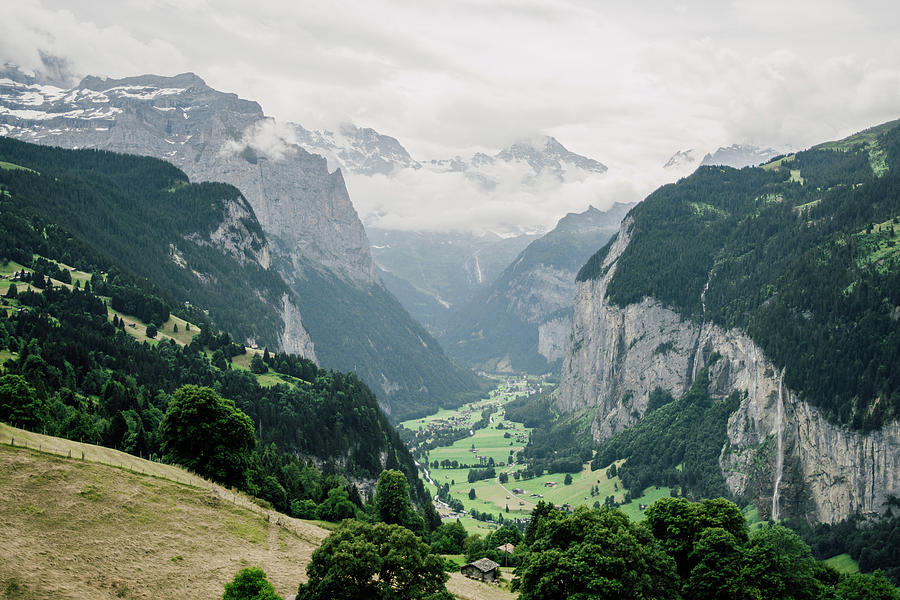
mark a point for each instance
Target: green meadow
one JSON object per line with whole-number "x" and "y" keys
{"x": 501, "y": 440}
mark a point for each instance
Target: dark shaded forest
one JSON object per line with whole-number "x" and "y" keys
{"x": 143, "y": 217}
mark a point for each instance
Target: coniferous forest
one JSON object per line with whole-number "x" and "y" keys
{"x": 75, "y": 373}
{"x": 802, "y": 254}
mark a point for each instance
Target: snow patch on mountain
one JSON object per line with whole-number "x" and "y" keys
{"x": 739, "y": 156}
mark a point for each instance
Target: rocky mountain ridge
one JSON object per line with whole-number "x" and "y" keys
{"x": 359, "y": 150}
{"x": 530, "y": 160}
{"x": 312, "y": 227}
{"x": 522, "y": 320}
{"x": 736, "y": 156}
{"x": 365, "y": 151}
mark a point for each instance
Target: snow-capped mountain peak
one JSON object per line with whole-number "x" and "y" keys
{"x": 544, "y": 153}
{"x": 736, "y": 155}
{"x": 360, "y": 150}
{"x": 681, "y": 159}
{"x": 739, "y": 156}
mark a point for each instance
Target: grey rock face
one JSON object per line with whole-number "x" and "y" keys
{"x": 553, "y": 338}
{"x": 295, "y": 339}
{"x": 361, "y": 150}
{"x": 681, "y": 159}
{"x": 319, "y": 224}
{"x": 211, "y": 136}
{"x": 538, "y": 293}
{"x": 235, "y": 238}
{"x": 619, "y": 355}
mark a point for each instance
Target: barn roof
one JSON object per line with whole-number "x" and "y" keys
{"x": 484, "y": 565}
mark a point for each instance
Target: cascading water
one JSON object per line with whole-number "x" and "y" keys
{"x": 779, "y": 449}
{"x": 698, "y": 349}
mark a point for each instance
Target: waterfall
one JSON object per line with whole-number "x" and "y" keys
{"x": 698, "y": 349}
{"x": 779, "y": 448}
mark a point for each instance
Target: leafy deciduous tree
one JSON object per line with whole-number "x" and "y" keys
{"x": 595, "y": 553}
{"x": 250, "y": 584}
{"x": 380, "y": 561}
{"x": 207, "y": 434}
{"x": 337, "y": 506}
{"x": 19, "y": 404}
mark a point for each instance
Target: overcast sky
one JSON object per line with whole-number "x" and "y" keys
{"x": 627, "y": 83}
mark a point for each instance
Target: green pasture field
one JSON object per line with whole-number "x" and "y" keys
{"x": 8, "y": 166}
{"x": 650, "y": 495}
{"x": 492, "y": 497}
{"x": 843, "y": 563}
{"x": 881, "y": 243}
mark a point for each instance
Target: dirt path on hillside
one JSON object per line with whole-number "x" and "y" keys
{"x": 511, "y": 495}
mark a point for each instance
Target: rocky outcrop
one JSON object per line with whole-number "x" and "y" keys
{"x": 237, "y": 235}
{"x": 295, "y": 339}
{"x": 553, "y": 337}
{"x": 619, "y": 355}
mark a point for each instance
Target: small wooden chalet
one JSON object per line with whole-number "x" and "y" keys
{"x": 507, "y": 547}
{"x": 483, "y": 569}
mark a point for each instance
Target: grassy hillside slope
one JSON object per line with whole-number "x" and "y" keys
{"x": 78, "y": 529}
{"x": 115, "y": 526}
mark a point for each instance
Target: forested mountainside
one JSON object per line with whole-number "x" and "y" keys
{"x": 73, "y": 369}
{"x": 782, "y": 284}
{"x": 313, "y": 232}
{"x": 801, "y": 254}
{"x": 523, "y": 319}
{"x": 199, "y": 242}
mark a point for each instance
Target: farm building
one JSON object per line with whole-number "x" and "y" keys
{"x": 507, "y": 547}
{"x": 483, "y": 569}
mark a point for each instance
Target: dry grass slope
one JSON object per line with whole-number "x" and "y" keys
{"x": 115, "y": 526}
{"x": 74, "y": 529}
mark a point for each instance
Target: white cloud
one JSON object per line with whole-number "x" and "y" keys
{"x": 423, "y": 199}
{"x": 266, "y": 137}
{"x": 627, "y": 83}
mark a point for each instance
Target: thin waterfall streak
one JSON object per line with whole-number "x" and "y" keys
{"x": 779, "y": 449}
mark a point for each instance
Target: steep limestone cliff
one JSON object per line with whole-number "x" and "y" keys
{"x": 236, "y": 235}
{"x": 553, "y": 337}
{"x": 619, "y": 355}
{"x": 522, "y": 319}
{"x": 295, "y": 339}
{"x": 312, "y": 236}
